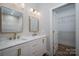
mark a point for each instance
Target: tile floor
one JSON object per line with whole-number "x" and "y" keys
{"x": 64, "y": 50}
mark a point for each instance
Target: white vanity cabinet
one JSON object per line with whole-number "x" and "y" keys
{"x": 35, "y": 47}
{"x": 38, "y": 46}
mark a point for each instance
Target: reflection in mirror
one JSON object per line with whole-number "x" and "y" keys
{"x": 11, "y": 20}
{"x": 33, "y": 24}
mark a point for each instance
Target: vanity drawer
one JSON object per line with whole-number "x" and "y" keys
{"x": 36, "y": 46}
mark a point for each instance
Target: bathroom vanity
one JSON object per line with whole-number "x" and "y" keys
{"x": 25, "y": 46}
{"x": 11, "y": 22}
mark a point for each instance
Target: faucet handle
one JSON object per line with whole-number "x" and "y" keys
{"x": 18, "y": 37}
{"x": 10, "y": 38}
{"x": 14, "y": 37}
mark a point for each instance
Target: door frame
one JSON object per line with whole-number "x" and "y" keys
{"x": 51, "y": 27}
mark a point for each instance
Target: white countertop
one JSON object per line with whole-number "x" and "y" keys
{"x": 9, "y": 43}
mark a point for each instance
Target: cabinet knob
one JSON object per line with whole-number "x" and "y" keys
{"x": 43, "y": 40}
{"x": 19, "y": 52}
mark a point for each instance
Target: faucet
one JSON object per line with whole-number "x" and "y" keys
{"x": 14, "y": 37}
{"x": 34, "y": 34}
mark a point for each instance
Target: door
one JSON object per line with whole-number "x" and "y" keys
{"x": 64, "y": 26}
{"x": 36, "y": 46}
{"x": 44, "y": 48}
{"x": 26, "y": 49}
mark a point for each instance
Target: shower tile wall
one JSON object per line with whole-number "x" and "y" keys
{"x": 65, "y": 25}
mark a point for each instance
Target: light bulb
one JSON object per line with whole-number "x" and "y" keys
{"x": 35, "y": 12}
{"x": 38, "y": 13}
{"x": 31, "y": 9}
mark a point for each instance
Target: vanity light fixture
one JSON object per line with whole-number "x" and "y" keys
{"x": 34, "y": 12}
{"x": 31, "y": 9}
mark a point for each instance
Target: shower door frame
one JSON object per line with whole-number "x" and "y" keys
{"x": 52, "y": 31}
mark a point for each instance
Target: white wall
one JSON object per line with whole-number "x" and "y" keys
{"x": 45, "y": 28}
{"x": 26, "y": 18}
{"x": 46, "y": 22}
{"x": 25, "y": 11}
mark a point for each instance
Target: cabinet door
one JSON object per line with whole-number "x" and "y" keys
{"x": 42, "y": 44}
{"x": 20, "y": 50}
{"x": 0, "y": 53}
{"x": 44, "y": 48}
{"x": 25, "y": 49}
{"x": 13, "y": 51}
{"x": 36, "y": 47}
{"x": 44, "y": 40}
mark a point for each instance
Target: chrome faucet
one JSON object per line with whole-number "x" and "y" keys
{"x": 14, "y": 37}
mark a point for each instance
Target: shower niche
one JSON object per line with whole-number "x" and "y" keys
{"x": 10, "y": 20}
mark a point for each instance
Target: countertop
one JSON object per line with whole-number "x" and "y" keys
{"x": 9, "y": 43}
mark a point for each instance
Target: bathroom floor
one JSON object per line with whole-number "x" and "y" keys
{"x": 64, "y": 50}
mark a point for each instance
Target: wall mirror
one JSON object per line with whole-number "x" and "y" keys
{"x": 10, "y": 20}
{"x": 33, "y": 24}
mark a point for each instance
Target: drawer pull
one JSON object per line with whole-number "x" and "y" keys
{"x": 43, "y": 41}
{"x": 19, "y": 52}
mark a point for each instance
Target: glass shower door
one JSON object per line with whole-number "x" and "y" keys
{"x": 64, "y": 26}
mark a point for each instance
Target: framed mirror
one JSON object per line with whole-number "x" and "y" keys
{"x": 33, "y": 24}
{"x": 10, "y": 20}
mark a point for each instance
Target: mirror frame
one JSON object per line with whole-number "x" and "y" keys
{"x": 31, "y": 18}
{"x": 1, "y": 21}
